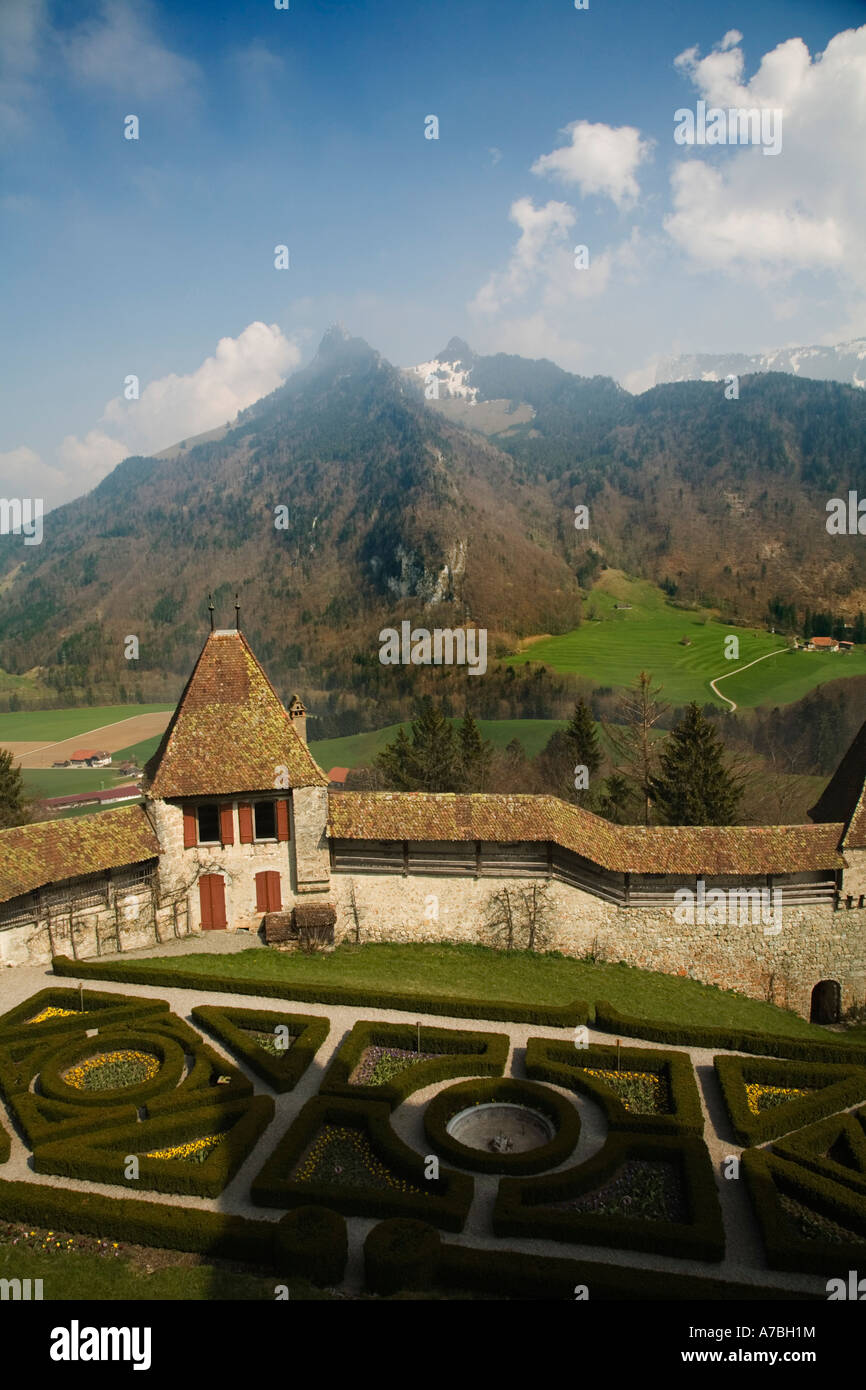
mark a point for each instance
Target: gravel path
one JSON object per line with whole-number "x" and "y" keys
{"x": 743, "y": 1261}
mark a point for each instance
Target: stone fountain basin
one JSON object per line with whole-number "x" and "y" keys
{"x": 481, "y": 1126}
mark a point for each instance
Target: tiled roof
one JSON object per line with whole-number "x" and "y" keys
{"x": 229, "y": 733}
{"x": 620, "y": 848}
{"x": 33, "y": 855}
{"x": 843, "y": 797}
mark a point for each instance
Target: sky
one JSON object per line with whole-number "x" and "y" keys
{"x": 308, "y": 128}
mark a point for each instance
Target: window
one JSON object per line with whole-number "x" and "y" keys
{"x": 208, "y": 824}
{"x": 266, "y": 821}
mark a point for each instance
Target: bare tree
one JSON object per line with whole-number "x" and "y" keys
{"x": 519, "y": 918}
{"x": 638, "y": 711}
{"x": 500, "y": 923}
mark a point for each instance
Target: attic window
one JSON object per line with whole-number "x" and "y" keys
{"x": 208, "y": 824}
{"x": 266, "y": 821}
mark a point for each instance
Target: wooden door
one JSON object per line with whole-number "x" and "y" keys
{"x": 212, "y": 894}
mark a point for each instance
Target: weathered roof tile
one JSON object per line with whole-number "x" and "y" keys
{"x": 691, "y": 850}
{"x": 49, "y": 851}
{"x": 230, "y": 731}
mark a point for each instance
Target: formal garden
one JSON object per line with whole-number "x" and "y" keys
{"x": 564, "y": 1146}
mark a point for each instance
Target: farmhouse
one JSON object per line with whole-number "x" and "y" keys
{"x": 90, "y": 757}
{"x": 237, "y": 822}
{"x": 823, "y": 644}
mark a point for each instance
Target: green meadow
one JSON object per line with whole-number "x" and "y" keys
{"x": 359, "y": 750}
{"x": 54, "y": 725}
{"x": 614, "y": 644}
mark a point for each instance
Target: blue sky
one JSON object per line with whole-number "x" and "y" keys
{"x": 305, "y": 127}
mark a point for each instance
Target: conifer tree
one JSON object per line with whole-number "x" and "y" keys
{"x": 14, "y": 809}
{"x": 475, "y": 755}
{"x": 582, "y": 738}
{"x": 428, "y": 762}
{"x": 694, "y": 786}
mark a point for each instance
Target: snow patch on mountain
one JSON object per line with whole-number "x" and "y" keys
{"x": 843, "y": 363}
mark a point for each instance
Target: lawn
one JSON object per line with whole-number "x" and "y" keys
{"x": 69, "y": 1274}
{"x": 359, "y": 750}
{"x": 485, "y": 974}
{"x": 613, "y": 645}
{"x": 54, "y": 725}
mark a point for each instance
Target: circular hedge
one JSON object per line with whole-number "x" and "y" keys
{"x": 401, "y": 1255}
{"x": 562, "y": 1114}
{"x": 168, "y": 1053}
{"x": 312, "y": 1242}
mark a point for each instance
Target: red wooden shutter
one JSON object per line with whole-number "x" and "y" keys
{"x": 227, "y": 825}
{"x": 190, "y": 827}
{"x": 261, "y": 893}
{"x": 212, "y": 895}
{"x": 245, "y": 822}
{"x": 282, "y": 819}
{"x": 268, "y": 895}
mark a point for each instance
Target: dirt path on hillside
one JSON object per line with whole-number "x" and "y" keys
{"x": 109, "y": 737}
{"x": 714, "y": 687}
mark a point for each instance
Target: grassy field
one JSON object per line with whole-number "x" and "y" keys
{"x": 53, "y": 725}
{"x": 69, "y": 1273}
{"x": 612, "y": 646}
{"x": 359, "y": 750}
{"x": 513, "y": 976}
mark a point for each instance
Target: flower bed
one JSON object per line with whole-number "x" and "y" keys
{"x": 809, "y": 1223}
{"x": 643, "y": 1189}
{"x": 278, "y": 1047}
{"x": 641, "y": 1092}
{"x": 761, "y": 1098}
{"x": 57, "y": 1013}
{"x": 585, "y": 1205}
{"x": 639, "y": 1089}
{"x": 381, "y": 1061}
{"x": 300, "y": 1171}
{"x": 342, "y": 1155}
{"x": 379, "y": 1065}
{"x": 112, "y": 1071}
{"x": 766, "y": 1097}
{"x": 195, "y": 1151}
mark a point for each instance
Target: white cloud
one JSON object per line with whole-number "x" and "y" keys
{"x": 173, "y": 408}
{"x": 802, "y": 210}
{"x": 119, "y": 49}
{"x": 600, "y": 159}
{"x": 24, "y": 474}
{"x": 21, "y": 26}
{"x": 542, "y": 232}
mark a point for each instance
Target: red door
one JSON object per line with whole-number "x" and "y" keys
{"x": 212, "y": 894}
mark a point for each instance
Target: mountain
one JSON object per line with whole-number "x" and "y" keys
{"x": 346, "y": 501}
{"x": 844, "y": 363}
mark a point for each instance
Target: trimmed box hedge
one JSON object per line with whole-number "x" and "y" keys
{"x": 64, "y": 1111}
{"x": 140, "y": 1222}
{"x": 352, "y": 996}
{"x": 813, "y": 1148}
{"x": 768, "y": 1178}
{"x": 464, "y": 1053}
{"x": 5, "y": 1145}
{"x": 524, "y": 1208}
{"x": 101, "y": 1010}
{"x": 611, "y": 1020}
{"x": 443, "y": 1200}
{"x": 565, "y": 1065}
{"x": 233, "y": 1027}
{"x": 510, "y": 1091}
{"x": 839, "y": 1086}
{"x": 101, "y": 1155}
{"x": 402, "y": 1255}
{"x": 313, "y": 1243}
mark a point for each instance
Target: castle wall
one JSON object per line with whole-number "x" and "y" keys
{"x": 815, "y": 943}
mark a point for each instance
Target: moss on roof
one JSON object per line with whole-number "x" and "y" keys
{"x": 50, "y": 851}
{"x": 230, "y": 732}
{"x": 692, "y": 850}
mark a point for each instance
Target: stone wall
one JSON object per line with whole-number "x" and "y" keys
{"x": 816, "y": 942}
{"x": 127, "y": 921}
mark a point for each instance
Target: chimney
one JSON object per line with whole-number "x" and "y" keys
{"x": 298, "y": 716}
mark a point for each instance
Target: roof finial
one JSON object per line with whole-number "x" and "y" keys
{"x": 210, "y": 609}
{"x": 237, "y": 614}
